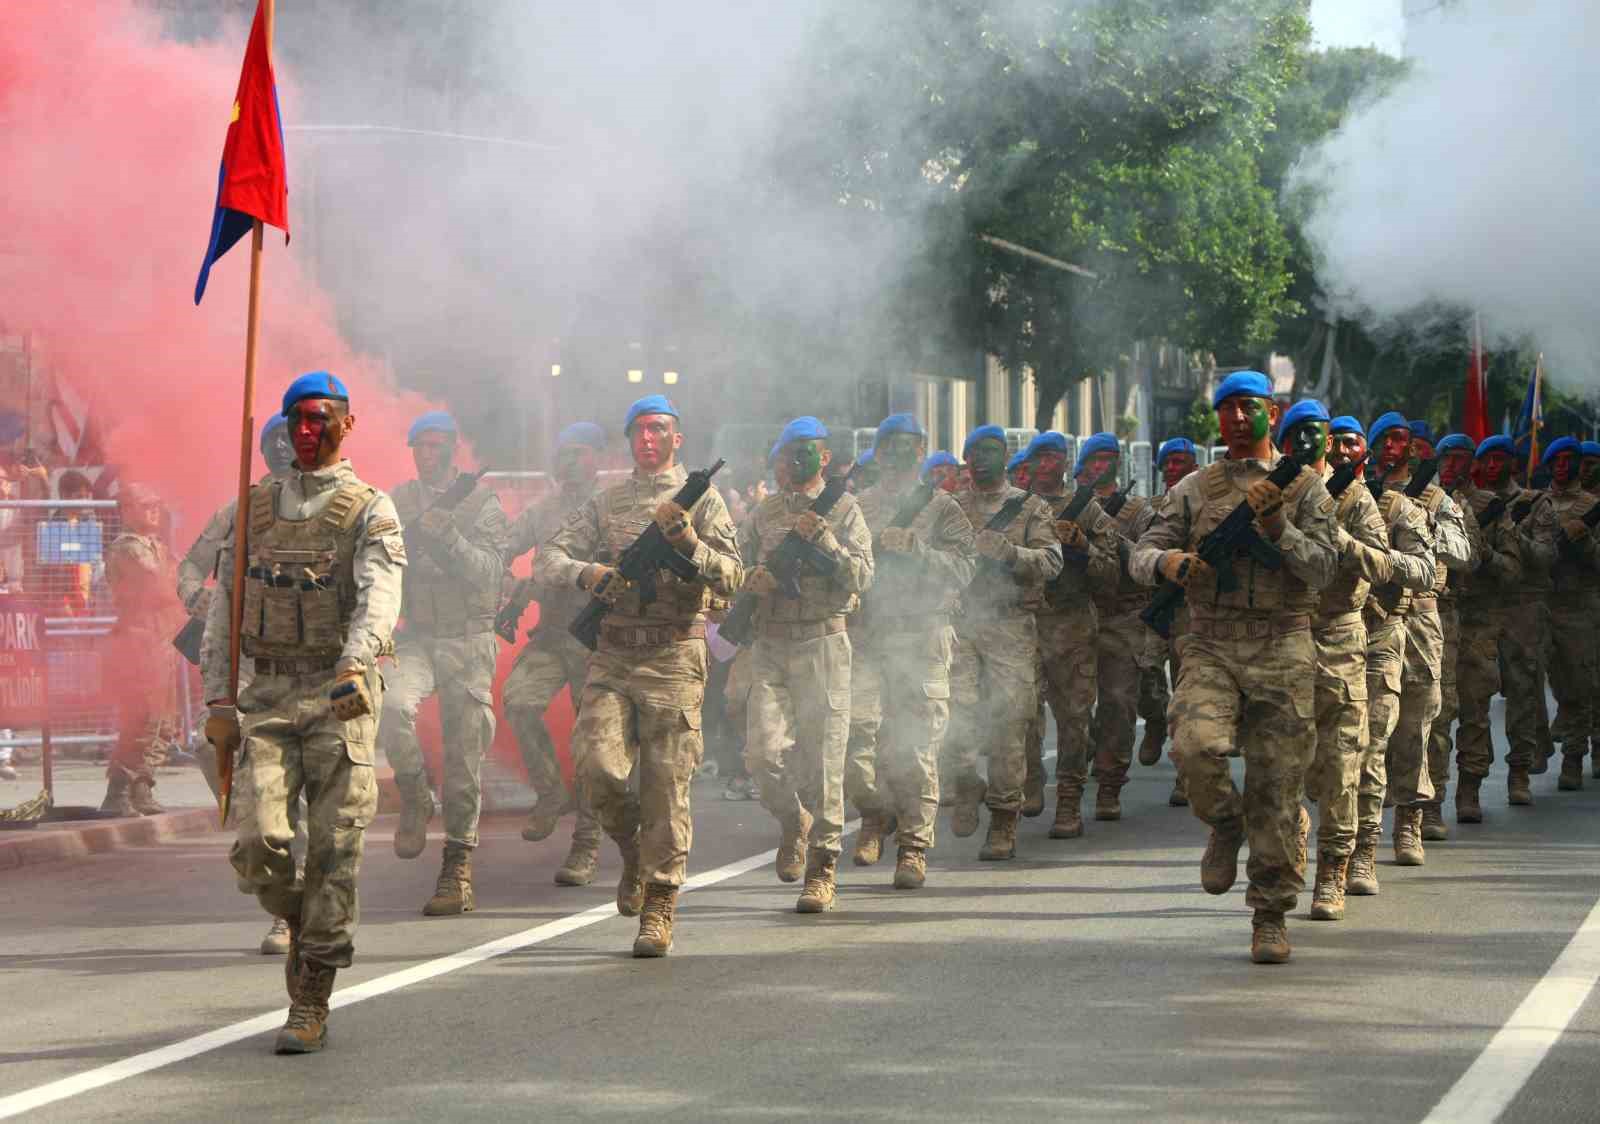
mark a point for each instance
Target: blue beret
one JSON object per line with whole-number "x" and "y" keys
{"x": 1392, "y": 420}
{"x": 1305, "y": 410}
{"x": 317, "y": 384}
{"x": 868, "y": 457}
{"x": 1347, "y": 423}
{"x": 649, "y": 404}
{"x": 979, "y": 434}
{"x": 805, "y": 428}
{"x": 1017, "y": 459}
{"x": 434, "y": 421}
{"x": 1050, "y": 441}
{"x": 1175, "y": 445}
{"x": 1422, "y": 429}
{"x": 1453, "y": 441}
{"x": 1561, "y": 445}
{"x": 1499, "y": 442}
{"x": 1252, "y": 384}
{"x": 1591, "y": 449}
{"x": 582, "y": 433}
{"x": 899, "y": 423}
{"x": 1099, "y": 443}
{"x": 936, "y": 460}
{"x": 274, "y": 423}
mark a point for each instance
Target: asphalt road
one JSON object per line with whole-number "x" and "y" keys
{"x": 1089, "y": 979}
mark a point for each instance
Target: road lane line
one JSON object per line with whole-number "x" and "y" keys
{"x": 101, "y": 1076}
{"x": 1514, "y": 1053}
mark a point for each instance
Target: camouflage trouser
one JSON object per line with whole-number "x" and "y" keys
{"x": 293, "y": 744}
{"x": 1406, "y": 760}
{"x": 1449, "y": 700}
{"x": 642, "y": 706}
{"x": 1386, "y": 695}
{"x": 861, "y": 786}
{"x": 1067, "y": 649}
{"x": 913, "y": 671}
{"x": 795, "y": 731}
{"x": 1572, "y": 670}
{"x": 1154, "y": 695}
{"x": 1481, "y": 626}
{"x": 1522, "y": 678}
{"x": 992, "y": 702}
{"x": 145, "y": 684}
{"x": 1335, "y": 772}
{"x": 547, "y": 663}
{"x": 461, "y": 671}
{"x": 1122, "y": 649}
{"x": 1260, "y": 695}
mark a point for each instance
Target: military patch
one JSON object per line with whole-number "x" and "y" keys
{"x": 1325, "y": 504}
{"x": 381, "y": 527}
{"x": 395, "y": 547}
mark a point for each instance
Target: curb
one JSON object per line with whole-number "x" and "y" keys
{"x": 57, "y": 844}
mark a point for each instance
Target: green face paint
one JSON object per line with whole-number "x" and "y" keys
{"x": 1260, "y": 419}
{"x": 805, "y": 461}
{"x": 988, "y": 460}
{"x": 898, "y": 451}
{"x": 1308, "y": 441}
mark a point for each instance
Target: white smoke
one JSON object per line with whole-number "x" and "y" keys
{"x": 1475, "y": 182}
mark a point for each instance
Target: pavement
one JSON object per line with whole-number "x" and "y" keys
{"x": 1090, "y": 979}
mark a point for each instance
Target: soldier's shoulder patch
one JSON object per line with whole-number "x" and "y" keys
{"x": 394, "y": 547}
{"x": 1325, "y": 504}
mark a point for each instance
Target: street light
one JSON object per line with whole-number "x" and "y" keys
{"x": 636, "y": 375}
{"x": 670, "y": 377}
{"x": 555, "y": 370}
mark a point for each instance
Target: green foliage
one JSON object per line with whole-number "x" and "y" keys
{"x": 1200, "y": 424}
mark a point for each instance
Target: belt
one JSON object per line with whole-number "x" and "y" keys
{"x": 1249, "y": 628}
{"x": 650, "y": 635}
{"x": 1326, "y": 622}
{"x": 1425, "y": 601}
{"x": 795, "y": 631}
{"x": 309, "y": 666}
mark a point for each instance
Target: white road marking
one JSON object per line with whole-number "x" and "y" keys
{"x": 1514, "y": 1053}
{"x": 101, "y": 1076}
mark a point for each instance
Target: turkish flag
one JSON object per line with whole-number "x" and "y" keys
{"x": 253, "y": 182}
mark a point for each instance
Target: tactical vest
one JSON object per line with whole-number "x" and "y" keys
{"x": 622, "y": 521}
{"x": 435, "y": 602}
{"x": 300, "y": 584}
{"x": 821, "y": 598}
{"x": 1116, "y": 598}
{"x": 1569, "y": 579}
{"x": 1260, "y": 590}
{"x": 1072, "y": 591}
{"x": 993, "y": 593}
{"x": 1432, "y": 499}
{"x": 1393, "y": 598}
{"x": 1347, "y": 593}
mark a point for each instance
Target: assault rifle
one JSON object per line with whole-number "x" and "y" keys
{"x": 1492, "y": 513}
{"x": 795, "y": 555}
{"x": 999, "y": 521}
{"x": 1571, "y": 551}
{"x": 1074, "y": 508}
{"x": 1115, "y": 502}
{"x": 454, "y": 496}
{"x": 1234, "y": 534}
{"x": 1340, "y": 480}
{"x": 1388, "y": 597}
{"x": 188, "y": 639}
{"x": 1376, "y": 480}
{"x": 510, "y": 614}
{"x": 644, "y": 558}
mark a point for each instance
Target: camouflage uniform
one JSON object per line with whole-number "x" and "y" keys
{"x": 1487, "y": 604}
{"x": 302, "y": 624}
{"x": 798, "y": 715}
{"x": 551, "y": 659}
{"x": 646, "y": 681}
{"x": 1522, "y": 642}
{"x": 1450, "y": 622}
{"x": 140, "y": 573}
{"x": 1249, "y": 667}
{"x": 1574, "y": 592}
{"x": 452, "y": 589}
{"x": 903, "y": 647}
{"x": 992, "y": 675}
{"x": 1123, "y": 654}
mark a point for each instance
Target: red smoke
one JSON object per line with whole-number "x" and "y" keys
{"x": 110, "y": 139}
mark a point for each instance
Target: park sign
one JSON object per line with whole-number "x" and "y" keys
{"x": 22, "y": 672}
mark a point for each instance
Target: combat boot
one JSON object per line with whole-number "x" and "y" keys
{"x": 1408, "y": 836}
{"x": 1219, "y": 866}
{"x": 416, "y": 809}
{"x": 1434, "y": 828}
{"x": 630, "y": 891}
{"x": 1571, "y": 779}
{"x": 1155, "y": 736}
{"x": 1033, "y": 789}
{"x": 655, "y": 921}
{"x": 306, "y": 1031}
{"x": 117, "y": 802}
{"x": 1518, "y": 790}
{"x": 1069, "y": 811}
{"x": 543, "y": 816}
{"x": 910, "y": 868}
{"x": 1327, "y": 896}
{"x": 142, "y": 795}
{"x": 1541, "y": 759}
{"x": 1468, "y": 810}
{"x": 1302, "y": 846}
{"x": 869, "y": 840}
{"x": 276, "y": 942}
{"x": 1362, "y": 879}
{"x": 791, "y": 861}
{"x": 1179, "y": 797}
{"x": 578, "y": 868}
{"x": 1001, "y": 843}
{"x": 819, "y": 892}
{"x": 1269, "y": 938}
{"x": 970, "y": 792}
{"x": 453, "y": 893}
{"x": 1108, "y": 802}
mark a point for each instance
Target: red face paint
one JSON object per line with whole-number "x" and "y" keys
{"x": 1422, "y": 450}
{"x": 1049, "y": 470}
{"x": 1099, "y": 471}
{"x": 1455, "y": 465}
{"x": 1176, "y": 467}
{"x": 1561, "y": 468}
{"x": 654, "y": 439}
{"x": 946, "y": 477}
{"x": 314, "y": 431}
{"x": 1245, "y": 423}
{"x": 1493, "y": 468}
{"x": 1394, "y": 446}
{"x": 1348, "y": 448}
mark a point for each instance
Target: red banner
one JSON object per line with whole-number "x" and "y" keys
{"x": 22, "y": 672}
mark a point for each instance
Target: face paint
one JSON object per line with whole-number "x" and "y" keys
{"x": 1421, "y": 450}
{"x": 1493, "y": 467}
{"x": 1348, "y": 448}
{"x": 1561, "y": 468}
{"x": 1454, "y": 466}
{"x": 1176, "y": 467}
{"x": 1308, "y": 441}
{"x": 1100, "y": 472}
{"x": 316, "y": 429}
{"x": 899, "y": 452}
{"x": 987, "y": 462}
{"x": 1049, "y": 471}
{"x": 805, "y": 461}
{"x": 1245, "y": 423}
{"x": 1394, "y": 447}
{"x": 1589, "y": 472}
{"x": 653, "y": 439}
{"x": 433, "y": 454}
{"x": 945, "y": 477}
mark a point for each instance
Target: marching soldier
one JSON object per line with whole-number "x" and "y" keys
{"x": 798, "y": 712}
{"x": 321, "y": 599}
{"x": 452, "y": 590}
{"x": 1249, "y": 663}
{"x": 646, "y": 680}
{"x": 553, "y": 658}
{"x": 1176, "y": 459}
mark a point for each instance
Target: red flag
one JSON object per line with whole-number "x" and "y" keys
{"x": 1475, "y": 406}
{"x": 254, "y": 180}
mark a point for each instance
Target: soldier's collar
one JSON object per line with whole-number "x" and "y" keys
{"x": 804, "y": 493}
{"x": 677, "y": 474}
{"x": 321, "y": 479}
